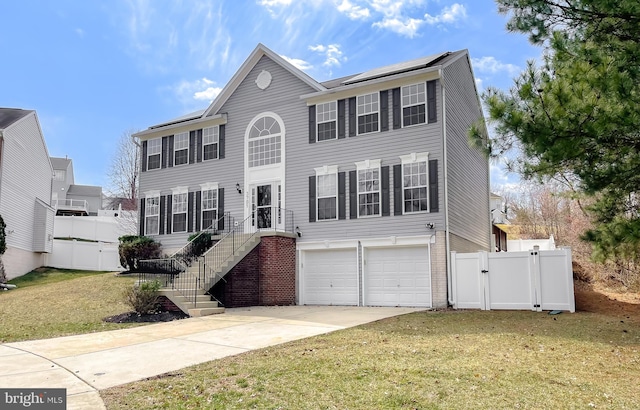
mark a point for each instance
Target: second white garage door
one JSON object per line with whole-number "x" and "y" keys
{"x": 330, "y": 277}
{"x": 398, "y": 276}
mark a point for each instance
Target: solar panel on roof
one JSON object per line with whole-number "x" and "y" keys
{"x": 396, "y": 68}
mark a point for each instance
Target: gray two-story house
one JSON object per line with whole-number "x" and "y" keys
{"x": 369, "y": 177}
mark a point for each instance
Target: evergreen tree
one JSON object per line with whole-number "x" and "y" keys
{"x": 578, "y": 113}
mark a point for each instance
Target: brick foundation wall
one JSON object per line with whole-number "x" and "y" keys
{"x": 277, "y": 271}
{"x": 242, "y": 286}
{"x": 168, "y": 305}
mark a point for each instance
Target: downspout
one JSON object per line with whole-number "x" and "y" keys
{"x": 446, "y": 191}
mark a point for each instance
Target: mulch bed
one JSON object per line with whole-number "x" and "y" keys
{"x": 133, "y": 317}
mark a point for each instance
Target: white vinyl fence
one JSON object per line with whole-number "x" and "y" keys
{"x": 534, "y": 280}
{"x": 99, "y": 256}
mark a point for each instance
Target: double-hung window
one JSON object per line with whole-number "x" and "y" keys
{"x": 154, "y": 150}
{"x": 368, "y": 188}
{"x": 210, "y": 138}
{"x": 152, "y": 213}
{"x": 414, "y": 104}
{"x": 179, "y": 209}
{"x": 368, "y": 113}
{"x": 327, "y": 192}
{"x": 181, "y": 148}
{"x": 326, "y": 120}
{"x": 415, "y": 177}
{"x": 209, "y": 205}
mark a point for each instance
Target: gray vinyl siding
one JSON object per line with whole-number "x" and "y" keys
{"x": 468, "y": 168}
{"x": 388, "y": 146}
{"x": 26, "y": 178}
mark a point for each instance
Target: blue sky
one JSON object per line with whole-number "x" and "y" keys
{"x": 94, "y": 70}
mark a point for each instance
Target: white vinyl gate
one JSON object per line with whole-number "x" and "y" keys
{"x": 535, "y": 280}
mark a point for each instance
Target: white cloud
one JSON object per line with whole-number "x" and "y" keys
{"x": 353, "y": 11}
{"x": 447, "y": 15}
{"x": 489, "y": 64}
{"x": 190, "y": 92}
{"x": 331, "y": 52}
{"x": 298, "y": 63}
{"x": 408, "y": 27}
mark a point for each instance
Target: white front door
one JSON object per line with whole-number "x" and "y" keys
{"x": 266, "y": 204}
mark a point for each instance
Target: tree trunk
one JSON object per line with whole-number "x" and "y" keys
{"x": 3, "y": 275}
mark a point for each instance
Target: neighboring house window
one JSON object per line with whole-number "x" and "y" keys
{"x": 326, "y": 119}
{"x": 209, "y": 207}
{"x": 368, "y": 188}
{"x": 152, "y": 215}
{"x": 210, "y": 140}
{"x": 415, "y": 179}
{"x": 181, "y": 148}
{"x": 327, "y": 193}
{"x": 154, "y": 148}
{"x": 265, "y": 142}
{"x": 59, "y": 174}
{"x": 179, "y": 210}
{"x": 368, "y": 113}
{"x": 414, "y": 105}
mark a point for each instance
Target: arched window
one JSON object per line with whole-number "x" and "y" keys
{"x": 265, "y": 142}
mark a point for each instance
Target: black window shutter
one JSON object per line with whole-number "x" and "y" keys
{"x": 433, "y": 185}
{"x": 169, "y": 213}
{"x": 220, "y": 212}
{"x": 170, "y": 151}
{"x": 199, "y": 211}
{"x": 312, "y": 198}
{"x": 384, "y": 171}
{"x": 353, "y": 195}
{"x": 165, "y": 153}
{"x": 397, "y": 189}
{"x": 384, "y": 110}
{"x": 163, "y": 215}
{"x": 199, "y": 146}
{"x": 397, "y": 104}
{"x": 142, "y": 209}
{"x": 144, "y": 157}
{"x": 192, "y": 147}
{"x": 190, "y": 212}
{"x": 342, "y": 197}
{"x": 431, "y": 102}
{"x": 341, "y": 119}
{"x": 221, "y": 137}
{"x": 312, "y": 124}
{"x": 352, "y": 117}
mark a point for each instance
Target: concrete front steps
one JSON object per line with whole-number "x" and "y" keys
{"x": 204, "y": 306}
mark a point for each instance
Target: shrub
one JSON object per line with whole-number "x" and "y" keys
{"x": 201, "y": 243}
{"x": 133, "y": 248}
{"x": 144, "y": 298}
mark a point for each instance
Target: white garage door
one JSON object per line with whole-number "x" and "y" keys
{"x": 398, "y": 276}
{"x": 330, "y": 277}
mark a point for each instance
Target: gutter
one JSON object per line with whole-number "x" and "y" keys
{"x": 446, "y": 191}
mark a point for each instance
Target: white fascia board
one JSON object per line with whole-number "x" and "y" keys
{"x": 392, "y": 81}
{"x": 390, "y": 241}
{"x": 328, "y": 244}
{"x": 245, "y": 69}
{"x": 181, "y": 126}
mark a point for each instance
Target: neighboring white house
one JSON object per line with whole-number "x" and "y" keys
{"x": 69, "y": 198}
{"x": 25, "y": 191}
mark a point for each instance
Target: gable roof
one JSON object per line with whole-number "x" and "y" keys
{"x": 10, "y": 115}
{"x": 260, "y": 51}
{"x": 85, "y": 190}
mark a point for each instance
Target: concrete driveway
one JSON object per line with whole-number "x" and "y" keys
{"x": 85, "y": 364}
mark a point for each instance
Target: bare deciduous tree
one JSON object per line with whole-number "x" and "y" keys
{"x": 124, "y": 172}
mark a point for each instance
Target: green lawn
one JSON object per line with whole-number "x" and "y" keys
{"x": 51, "y": 302}
{"x": 431, "y": 360}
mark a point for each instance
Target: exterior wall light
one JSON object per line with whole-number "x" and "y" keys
{"x": 238, "y": 188}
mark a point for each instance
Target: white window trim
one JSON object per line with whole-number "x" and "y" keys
{"x": 365, "y": 165}
{"x": 217, "y": 142}
{"x": 373, "y": 112}
{"x": 249, "y": 140}
{"x": 148, "y": 195}
{"x": 175, "y": 141}
{"x": 413, "y": 158}
{"x": 322, "y": 171}
{"x": 149, "y": 154}
{"x": 181, "y": 190}
{"x": 402, "y": 106}
{"x": 325, "y": 122}
{"x": 209, "y": 186}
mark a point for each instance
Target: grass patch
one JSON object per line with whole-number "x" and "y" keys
{"x": 426, "y": 360}
{"x": 51, "y": 302}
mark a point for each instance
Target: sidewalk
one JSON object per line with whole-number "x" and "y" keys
{"x": 85, "y": 364}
